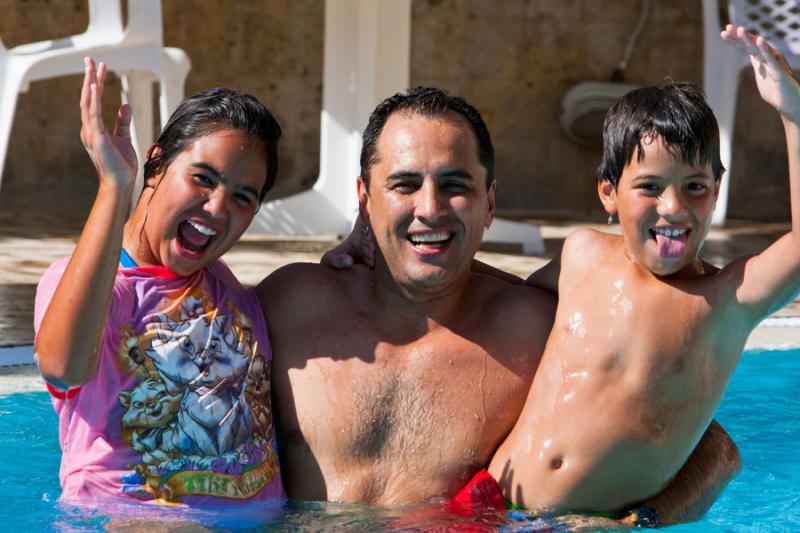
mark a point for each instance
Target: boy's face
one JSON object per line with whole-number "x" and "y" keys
{"x": 664, "y": 207}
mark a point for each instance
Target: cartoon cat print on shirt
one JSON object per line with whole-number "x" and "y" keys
{"x": 201, "y": 382}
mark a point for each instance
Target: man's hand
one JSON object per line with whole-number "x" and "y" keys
{"x": 358, "y": 247}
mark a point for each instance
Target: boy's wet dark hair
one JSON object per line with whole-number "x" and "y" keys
{"x": 675, "y": 112}
{"x": 210, "y": 111}
{"x": 432, "y": 103}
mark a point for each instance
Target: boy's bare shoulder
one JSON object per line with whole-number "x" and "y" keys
{"x": 586, "y": 246}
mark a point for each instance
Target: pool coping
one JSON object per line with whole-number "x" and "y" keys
{"x": 18, "y": 372}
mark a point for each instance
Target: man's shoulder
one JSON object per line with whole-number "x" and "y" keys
{"x": 309, "y": 283}
{"x": 514, "y": 303}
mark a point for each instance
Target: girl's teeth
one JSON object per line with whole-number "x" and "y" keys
{"x": 202, "y": 229}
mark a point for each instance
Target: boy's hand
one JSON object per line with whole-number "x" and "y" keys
{"x": 112, "y": 153}
{"x": 776, "y": 82}
{"x": 358, "y": 247}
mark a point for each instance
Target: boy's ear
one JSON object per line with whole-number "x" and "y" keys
{"x": 608, "y": 196}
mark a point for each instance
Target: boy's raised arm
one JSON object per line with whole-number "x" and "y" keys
{"x": 772, "y": 278}
{"x": 68, "y": 339}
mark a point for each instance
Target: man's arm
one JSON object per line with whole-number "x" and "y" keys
{"x": 712, "y": 464}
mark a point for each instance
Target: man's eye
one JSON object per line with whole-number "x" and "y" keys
{"x": 405, "y": 186}
{"x": 455, "y": 186}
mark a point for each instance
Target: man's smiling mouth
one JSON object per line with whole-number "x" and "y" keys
{"x": 430, "y": 240}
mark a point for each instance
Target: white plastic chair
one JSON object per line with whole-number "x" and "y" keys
{"x": 367, "y": 53}
{"x": 779, "y": 22}
{"x": 135, "y": 53}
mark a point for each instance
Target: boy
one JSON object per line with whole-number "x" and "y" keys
{"x": 647, "y": 335}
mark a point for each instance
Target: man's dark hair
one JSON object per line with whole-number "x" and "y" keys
{"x": 675, "y": 112}
{"x": 211, "y": 111}
{"x": 432, "y": 103}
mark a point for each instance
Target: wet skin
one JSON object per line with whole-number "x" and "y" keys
{"x": 645, "y": 339}
{"x": 214, "y": 184}
{"x": 396, "y": 385}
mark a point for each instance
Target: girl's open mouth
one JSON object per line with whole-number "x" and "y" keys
{"x": 194, "y": 237}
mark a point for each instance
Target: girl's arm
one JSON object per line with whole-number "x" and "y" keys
{"x": 69, "y": 337}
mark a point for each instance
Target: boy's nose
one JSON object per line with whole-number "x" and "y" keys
{"x": 671, "y": 204}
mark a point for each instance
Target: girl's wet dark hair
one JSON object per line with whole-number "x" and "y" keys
{"x": 432, "y": 103}
{"x": 675, "y": 112}
{"x": 211, "y": 111}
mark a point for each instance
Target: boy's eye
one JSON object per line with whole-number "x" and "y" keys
{"x": 696, "y": 187}
{"x": 649, "y": 188}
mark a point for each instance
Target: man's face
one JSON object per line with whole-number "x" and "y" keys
{"x": 427, "y": 201}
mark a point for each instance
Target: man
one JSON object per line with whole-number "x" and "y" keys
{"x": 397, "y": 384}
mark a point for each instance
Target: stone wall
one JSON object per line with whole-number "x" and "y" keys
{"x": 513, "y": 59}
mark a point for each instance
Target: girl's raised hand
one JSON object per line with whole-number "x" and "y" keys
{"x": 777, "y": 84}
{"x": 112, "y": 153}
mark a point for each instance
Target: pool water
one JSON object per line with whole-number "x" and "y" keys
{"x": 761, "y": 411}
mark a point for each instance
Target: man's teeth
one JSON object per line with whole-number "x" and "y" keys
{"x": 420, "y": 238}
{"x": 205, "y": 230}
{"x": 667, "y": 232}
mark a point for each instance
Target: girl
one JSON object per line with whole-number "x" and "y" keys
{"x": 156, "y": 357}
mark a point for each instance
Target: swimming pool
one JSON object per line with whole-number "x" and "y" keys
{"x": 761, "y": 411}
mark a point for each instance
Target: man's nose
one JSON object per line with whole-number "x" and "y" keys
{"x": 671, "y": 203}
{"x": 429, "y": 201}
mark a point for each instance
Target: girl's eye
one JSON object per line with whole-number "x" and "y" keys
{"x": 244, "y": 199}
{"x": 203, "y": 180}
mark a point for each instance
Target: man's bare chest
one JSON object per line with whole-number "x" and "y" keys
{"x": 406, "y": 404}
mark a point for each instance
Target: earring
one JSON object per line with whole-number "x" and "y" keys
{"x": 610, "y": 219}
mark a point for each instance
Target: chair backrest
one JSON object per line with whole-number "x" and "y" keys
{"x": 777, "y": 20}
{"x": 105, "y": 16}
{"x": 144, "y": 19}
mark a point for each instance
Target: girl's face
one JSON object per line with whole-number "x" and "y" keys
{"x": 197, "y": 208}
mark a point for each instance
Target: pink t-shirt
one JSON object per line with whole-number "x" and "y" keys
{"x": 179, "y": 408}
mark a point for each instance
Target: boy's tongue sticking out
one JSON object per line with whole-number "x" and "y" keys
{"x": 671, "y": 242}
